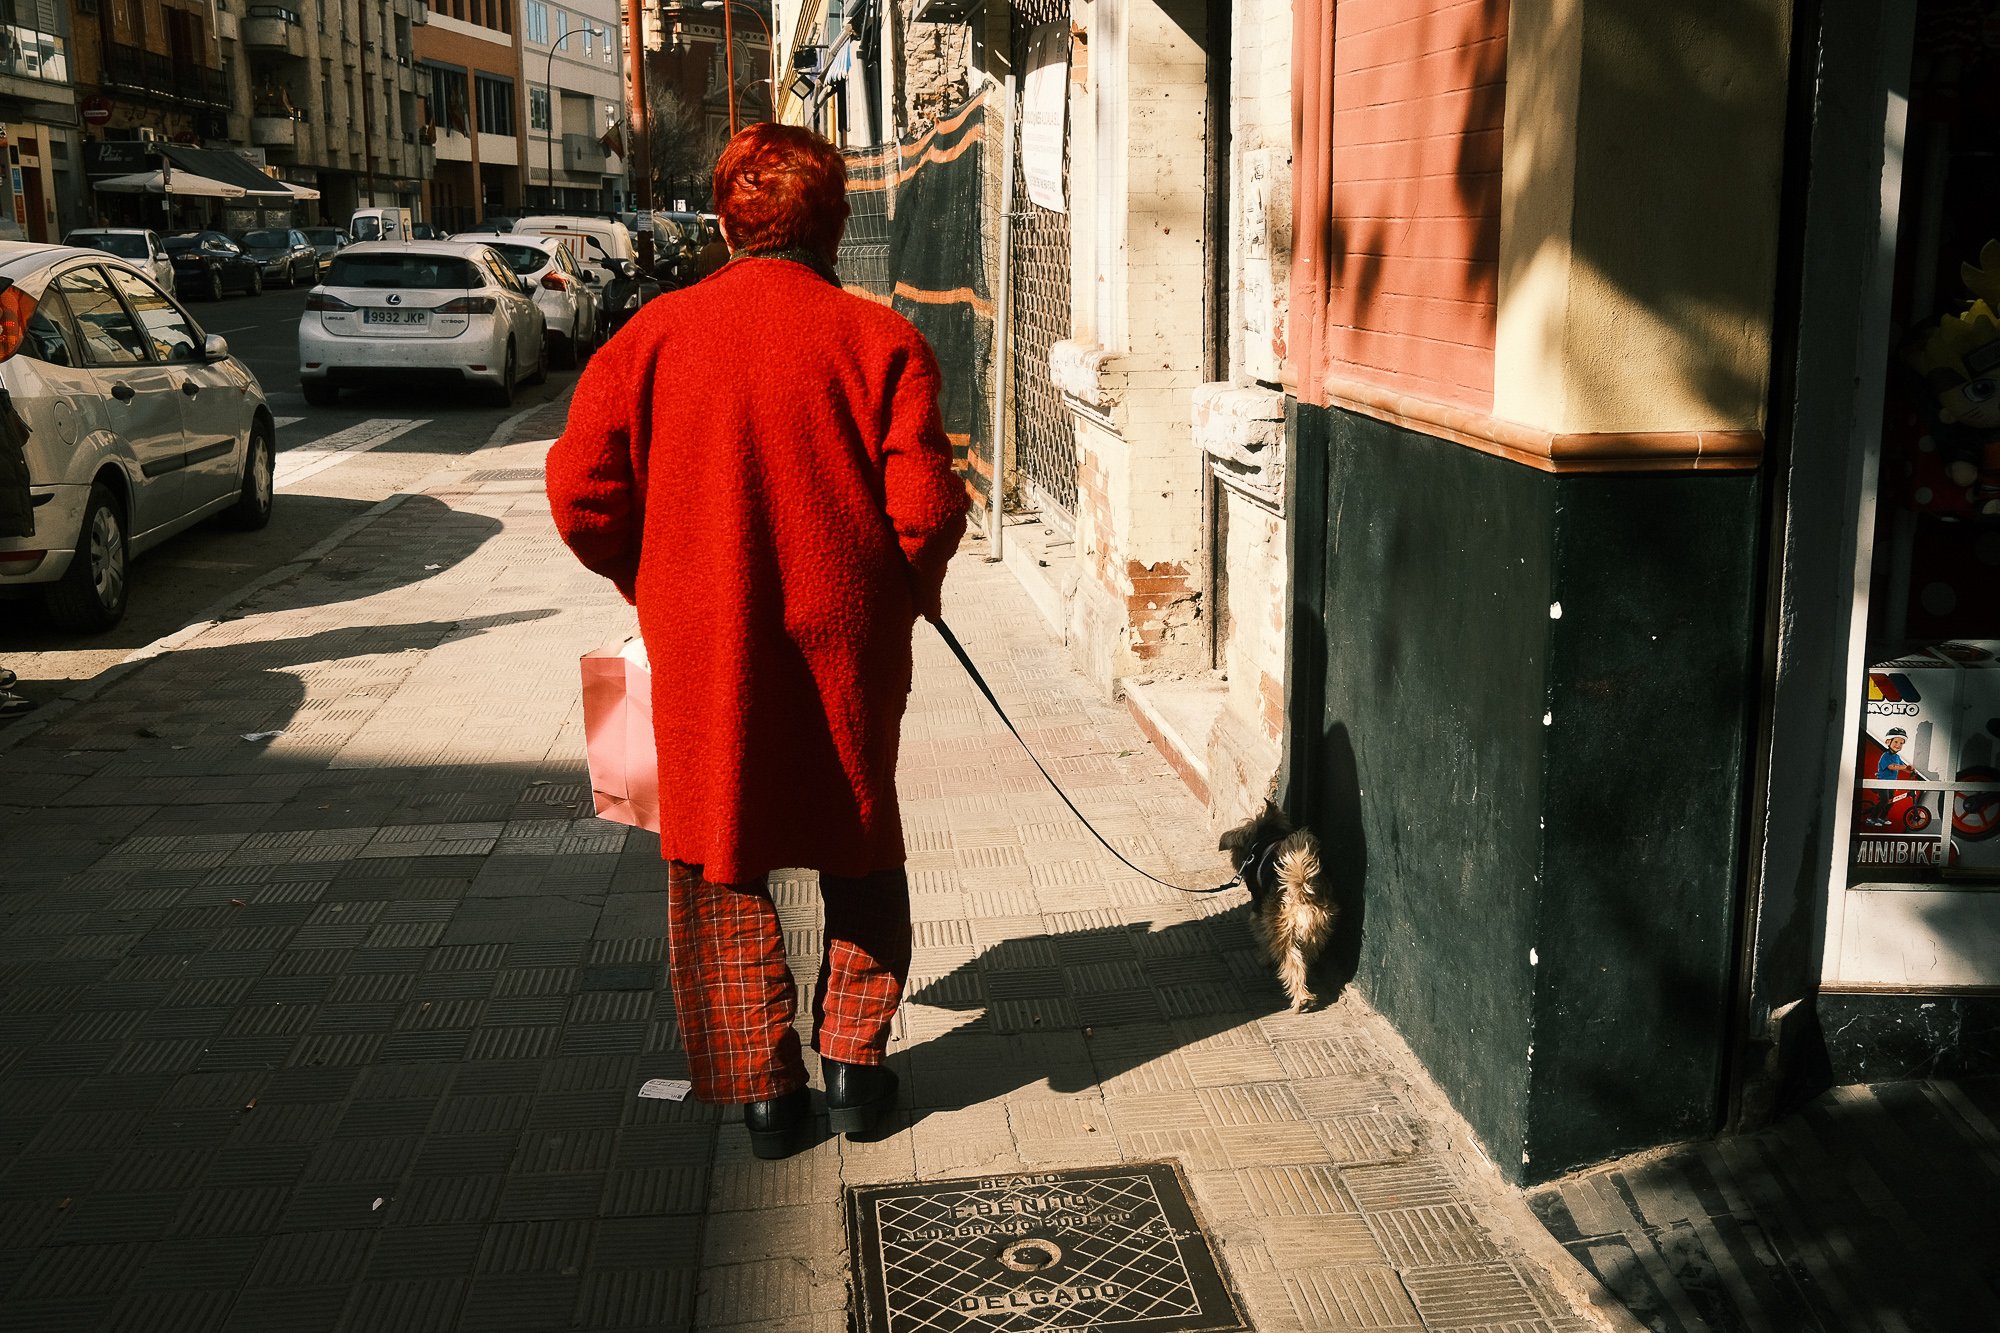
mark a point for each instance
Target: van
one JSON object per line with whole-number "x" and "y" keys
{"x": 382, "y": 224}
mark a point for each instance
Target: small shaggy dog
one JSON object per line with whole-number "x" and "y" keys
{"x": 1288, "y": 902}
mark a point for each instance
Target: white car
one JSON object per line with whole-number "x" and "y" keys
{"x": 609, "y": 261}
{"x": 561, "y": 290}
{"x": 135, "y": 245}
{"x": 421, "y": 310}
{"x": 139, "y": 425}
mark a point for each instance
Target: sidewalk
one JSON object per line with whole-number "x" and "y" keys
{"x": 324, "y": 1002}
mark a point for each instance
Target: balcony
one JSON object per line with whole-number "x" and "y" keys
{"x": 583, "y": 153}
{"x": 274, "y": 131}
{"x": 273, "y": 29}
{"x": 155, "y": 77}
{"x": 227, "y": 29}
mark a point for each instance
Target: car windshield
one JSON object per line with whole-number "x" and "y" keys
{"x": 394, "y": 270}
{"x": 125, "y": 247}
{"x": 322, "y": 235}
{"x": 525, "y": 260}
{"x": 367, "y": 229}
{"x": 266, "y": 240}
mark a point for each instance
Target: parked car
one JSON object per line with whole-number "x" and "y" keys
{"x": 568, "y": 304}
{"x": 207, "y": 263}
{"x": 326, "y": 242}
{"x": 421, "y": 310}
{"x": 141, "y": 248}
{"x": 285, "y": 253}
{"x": 605, "y": 250}
{"x": 139, "y": 426}
{"x": 424, "y": 231}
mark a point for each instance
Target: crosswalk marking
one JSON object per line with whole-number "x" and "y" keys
{"x": 296, "y": 465}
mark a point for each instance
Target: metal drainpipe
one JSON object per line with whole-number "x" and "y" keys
{"x": 1003, "y": 342}
{"x": 367, "y": 111}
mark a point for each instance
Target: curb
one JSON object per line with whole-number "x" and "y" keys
{"x": 220, "y": 610}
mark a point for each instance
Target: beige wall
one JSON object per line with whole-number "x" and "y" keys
{"x": 1639, "y": 214}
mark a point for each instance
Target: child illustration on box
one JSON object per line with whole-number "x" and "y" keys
{"x": 1892, "y": 767}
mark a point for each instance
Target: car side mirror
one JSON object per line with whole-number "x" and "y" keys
{"x": 215, "y": 347}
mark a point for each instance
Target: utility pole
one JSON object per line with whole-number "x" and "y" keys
{"x": 635, "y": 53}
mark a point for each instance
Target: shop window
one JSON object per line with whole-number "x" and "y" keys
{"x": 1928, "y": 769}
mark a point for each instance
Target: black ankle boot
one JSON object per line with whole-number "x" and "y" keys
{"x": 857, "y": 1096}
{"x": 778, "y": 1127}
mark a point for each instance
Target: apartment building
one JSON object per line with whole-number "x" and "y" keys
{"x": 331, "y": 92}
{"x": 572, "y": 60}
{"x": 38, "y": 109}
{"x": 469, "y": 56}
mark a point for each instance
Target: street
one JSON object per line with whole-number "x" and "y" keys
{"x": 333, "y": 463}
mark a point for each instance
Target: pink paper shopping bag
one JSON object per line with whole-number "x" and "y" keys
{"x": 618, "y": 733}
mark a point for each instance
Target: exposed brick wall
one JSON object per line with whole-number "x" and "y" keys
{"x": 1419, "y": 91}
{"x": 1164, "y": 605}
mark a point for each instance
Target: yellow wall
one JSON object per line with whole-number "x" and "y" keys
{"x": 1639, "y": 214}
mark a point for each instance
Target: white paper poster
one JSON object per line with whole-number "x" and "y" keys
{"x": 1044, "y": 108}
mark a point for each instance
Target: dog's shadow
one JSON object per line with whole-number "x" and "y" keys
{"x": 1095, "y": 1004}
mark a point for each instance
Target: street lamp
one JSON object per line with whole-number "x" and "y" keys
{"x": 549, "y": 97}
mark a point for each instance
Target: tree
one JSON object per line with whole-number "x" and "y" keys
{"x": 684, "y": 146}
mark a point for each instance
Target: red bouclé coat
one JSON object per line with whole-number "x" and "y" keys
{"x": 757, "y": 462}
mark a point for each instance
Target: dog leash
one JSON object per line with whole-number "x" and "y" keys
{"x": 965, "y": 660}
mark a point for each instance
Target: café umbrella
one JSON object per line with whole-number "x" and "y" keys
{"x": 184, "y": 183}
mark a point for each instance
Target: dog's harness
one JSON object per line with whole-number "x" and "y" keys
{"x": 1260, "y": 869}
{"x": 958, "y": 651}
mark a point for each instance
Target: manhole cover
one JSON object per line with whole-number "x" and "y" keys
{"x": 1111, "y": 1248}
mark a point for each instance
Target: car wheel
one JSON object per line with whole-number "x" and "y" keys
{"x": 565, "y": 357}
{"x": 257, "y": 283}
{"x": 91, "y": 592}
{"x": 503, "y": 392}
{"x": 215, "y": 286}
{"x": 541, "y": 375}
{"x": 252, "y": 509}
{"x": 320, "y": 393}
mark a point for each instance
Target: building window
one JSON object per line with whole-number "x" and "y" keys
{"x": 589, "y": 33}
{"x": 496, "y": 104}
{"x": 538, "y": 21}
{"x": 562, "y": 24}
{"x": 447, "y": 99}
{"x": 538, "y": 108}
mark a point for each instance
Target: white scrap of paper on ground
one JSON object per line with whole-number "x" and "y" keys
{"x": 261, "y": 735}
{"x": 670, "y": 1089}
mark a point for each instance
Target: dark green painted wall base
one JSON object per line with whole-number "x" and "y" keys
{"x": 1519, "y": 722}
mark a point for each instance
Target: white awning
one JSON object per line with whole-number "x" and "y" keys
{"x": 300, "y": 193}
{"x": 178, "y": 183}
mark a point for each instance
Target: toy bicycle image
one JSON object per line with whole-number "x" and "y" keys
{"x": 1886, "y": 809}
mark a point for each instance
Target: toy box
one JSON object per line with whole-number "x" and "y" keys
{"x": 1927, "y": 799}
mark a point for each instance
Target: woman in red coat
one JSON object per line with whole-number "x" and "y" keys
{"x": 757, "y": 462}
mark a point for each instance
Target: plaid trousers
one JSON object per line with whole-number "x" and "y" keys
{"x": 734, "y": 994}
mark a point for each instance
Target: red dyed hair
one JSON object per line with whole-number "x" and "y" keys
{"x": 781, "y": 187}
